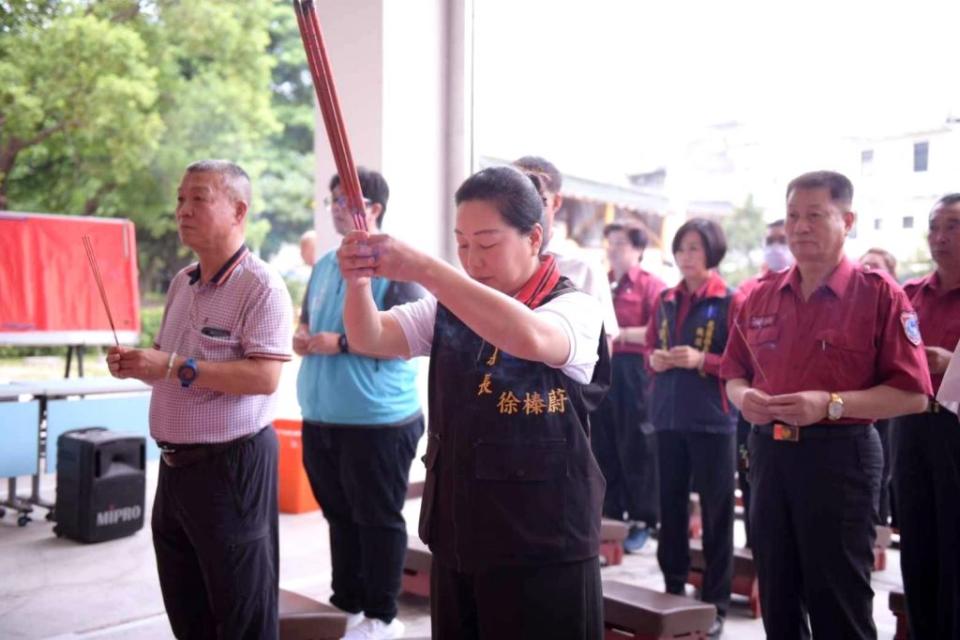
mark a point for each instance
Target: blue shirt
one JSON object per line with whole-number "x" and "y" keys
{"x": 347, "y": 389}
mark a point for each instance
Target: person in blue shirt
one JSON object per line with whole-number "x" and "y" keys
{"x": 361, "y": 424}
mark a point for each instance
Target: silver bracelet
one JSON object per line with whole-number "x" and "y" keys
{"x": 173, "y": 356}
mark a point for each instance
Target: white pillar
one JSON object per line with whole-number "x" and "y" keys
{"x": 402, "y": 72}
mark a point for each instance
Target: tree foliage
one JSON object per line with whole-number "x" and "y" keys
{"x": 745, "y": 231}
{"x": 103, "y": 103}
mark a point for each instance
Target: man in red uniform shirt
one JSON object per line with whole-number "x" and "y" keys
{"x": 927, "y": 448}
{"x": 819, "y": 352}
{"x": 623, "y": 438}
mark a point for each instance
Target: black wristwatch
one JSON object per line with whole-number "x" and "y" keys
{"x": 342, "y": 343}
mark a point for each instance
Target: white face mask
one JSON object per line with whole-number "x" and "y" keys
{"x": 777, "y": 257}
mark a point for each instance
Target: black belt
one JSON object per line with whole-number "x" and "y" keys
{"x": 184, "y": 455}
{"x": 789, "y": 433}
{"x": 934, "y": 407}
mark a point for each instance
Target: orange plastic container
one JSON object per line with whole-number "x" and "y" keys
{"x": 295, "y": 493}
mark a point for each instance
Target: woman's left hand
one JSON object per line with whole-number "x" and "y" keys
{"x": 686, "y": 357}
{"x": 660, "y": 360}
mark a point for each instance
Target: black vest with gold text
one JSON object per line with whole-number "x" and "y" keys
{"x": 511, "y": 478}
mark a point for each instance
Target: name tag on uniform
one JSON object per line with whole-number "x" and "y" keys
{"x": 786, "y": 432}
{"x": 759, "y": 322}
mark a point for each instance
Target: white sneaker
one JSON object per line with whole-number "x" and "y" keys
{"x": 374, "y": 629}
{"x": 353, "y": 619}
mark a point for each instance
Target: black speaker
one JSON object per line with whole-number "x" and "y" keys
{"x": 101, "y": 484}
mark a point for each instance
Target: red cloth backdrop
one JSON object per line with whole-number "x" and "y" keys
{"x": 48, "y": 294}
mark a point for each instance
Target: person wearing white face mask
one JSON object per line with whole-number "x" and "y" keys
{"x": 776, "y": 253}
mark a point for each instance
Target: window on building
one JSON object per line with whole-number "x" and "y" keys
{"x": 877, "y": 224}
{"x": 921, "y": 152}
{"x": 908, "y": 222}
{"x": 866, "y": 157}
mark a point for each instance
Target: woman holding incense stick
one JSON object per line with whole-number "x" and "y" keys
{"x": 695, "y": 425}
{"x": 511, "y": 506}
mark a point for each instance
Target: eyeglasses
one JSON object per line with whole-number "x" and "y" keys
{"x": 340, "y": 202}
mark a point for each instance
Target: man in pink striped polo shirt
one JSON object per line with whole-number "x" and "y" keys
{"x": 215, "y": 366}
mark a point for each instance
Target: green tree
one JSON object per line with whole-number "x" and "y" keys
{"x": 287, "y": 180}
{"x": 71, "y": 88}
{"x": 103, "y": 103}
{"x": 745, "y": 230}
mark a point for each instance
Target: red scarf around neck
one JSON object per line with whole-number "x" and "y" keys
{"x": 540, "y": 284}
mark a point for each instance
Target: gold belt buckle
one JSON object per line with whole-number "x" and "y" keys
{"x": 786, "y": 432}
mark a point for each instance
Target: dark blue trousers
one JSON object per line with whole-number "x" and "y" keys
{"x": 927, "y": 486}
{"x": 625, "y": 445}
{"x": 215, "y": 530}
{"x": 359, "y": 475}
{"x": 813, "y": 516}
{"x": 705, "y": 463}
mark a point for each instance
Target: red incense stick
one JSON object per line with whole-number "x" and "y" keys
{"x": 95, "y": 267}
{"x": 319, "y": 63}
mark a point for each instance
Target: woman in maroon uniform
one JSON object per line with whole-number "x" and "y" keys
{"x": 623, "y": 437}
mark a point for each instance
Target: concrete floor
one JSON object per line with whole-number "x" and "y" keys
{"x": 55, "y": 588}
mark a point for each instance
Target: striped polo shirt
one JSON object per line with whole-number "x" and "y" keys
{"x": 244, "y": 311}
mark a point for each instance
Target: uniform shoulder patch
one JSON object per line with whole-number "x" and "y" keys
{"x": 911, "y": 327}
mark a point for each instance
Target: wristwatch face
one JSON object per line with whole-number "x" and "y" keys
{"x": 187, "y": 373}
{"x": 835, "y": 409}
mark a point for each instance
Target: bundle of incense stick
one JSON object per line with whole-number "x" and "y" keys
{"x": 95, "y": 267}
{"x": 322, "y": 74}
{"x": 753, "y": 356}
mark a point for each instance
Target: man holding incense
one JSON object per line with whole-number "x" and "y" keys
{"x": 819, "y": 352}
{"x": 215, "y": 366}
{"x": 361, "y": 424}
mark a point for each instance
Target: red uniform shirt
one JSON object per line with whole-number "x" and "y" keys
{"x": 634, "y": 299}
{"x": 939, "y": 314}
{"x": 753, "y": 282}
{"x": 855, "y": 332}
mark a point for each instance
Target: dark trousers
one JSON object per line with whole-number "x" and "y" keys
{"x": 927, "y": 485}
{"x": 625, "y": 445}
{"x": 813, "y": 518}
{"x": 215, "y": 537}
{"x": 743, "y": 470}
{"x": 884, "y": 508}
{"x": 560, "y": 602}
{"x": 359, "y": 475}
{"x": 705, "y": 463}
